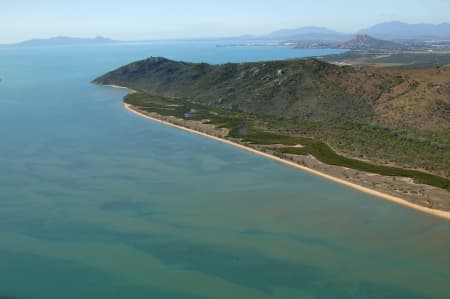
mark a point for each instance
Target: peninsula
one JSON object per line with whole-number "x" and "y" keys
{"x": 381, "y": 131}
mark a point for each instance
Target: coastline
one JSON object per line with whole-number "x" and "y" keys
{"x": 387, "y": 197}
{"x": 116, "y": 86}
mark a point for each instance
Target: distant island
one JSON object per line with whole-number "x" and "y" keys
{"x": 64, "y": 41}
{"x": 380, "y": 129}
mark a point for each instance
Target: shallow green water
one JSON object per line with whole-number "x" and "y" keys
{"x": 98, "y": 203}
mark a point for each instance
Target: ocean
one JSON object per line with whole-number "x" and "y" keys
{"x": 96, "y": 202}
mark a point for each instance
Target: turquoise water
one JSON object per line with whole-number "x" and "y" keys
{"x": 98, "y": 203}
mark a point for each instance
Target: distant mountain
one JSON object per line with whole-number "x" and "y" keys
{"x": 283, "y": 33}
{"x": 64, "y": 41}
{"x": 399, "y": 30}
{"x": 308, "y": 33}
{"x": 366, "y": 42}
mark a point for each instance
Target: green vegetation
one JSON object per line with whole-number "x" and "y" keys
{"x": 386, "y": 116}
{"x": 245, "y": 127}
{"x": 326, "y": 155}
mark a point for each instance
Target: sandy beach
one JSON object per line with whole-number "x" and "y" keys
{"x": 388, "y": 197}
{"x": 117, "y": 86}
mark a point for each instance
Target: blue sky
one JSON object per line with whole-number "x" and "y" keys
{"x": 140, "y": 19}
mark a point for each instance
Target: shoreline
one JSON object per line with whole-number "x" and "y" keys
{"x": 394, "y": 199}
{"x": 391, "y": 198}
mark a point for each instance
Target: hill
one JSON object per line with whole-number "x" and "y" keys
{"x": 308, "y": 34}
{"x": 366, "y": 42}
{"x": 301, "y": 89}
{"x": 399, "y": 30}
{"x": 398, "y": 117}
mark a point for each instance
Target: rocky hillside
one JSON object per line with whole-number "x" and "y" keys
{"x": 308, "y": 90}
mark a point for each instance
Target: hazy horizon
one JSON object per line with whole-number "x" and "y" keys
{"x": 175, "y": 19}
